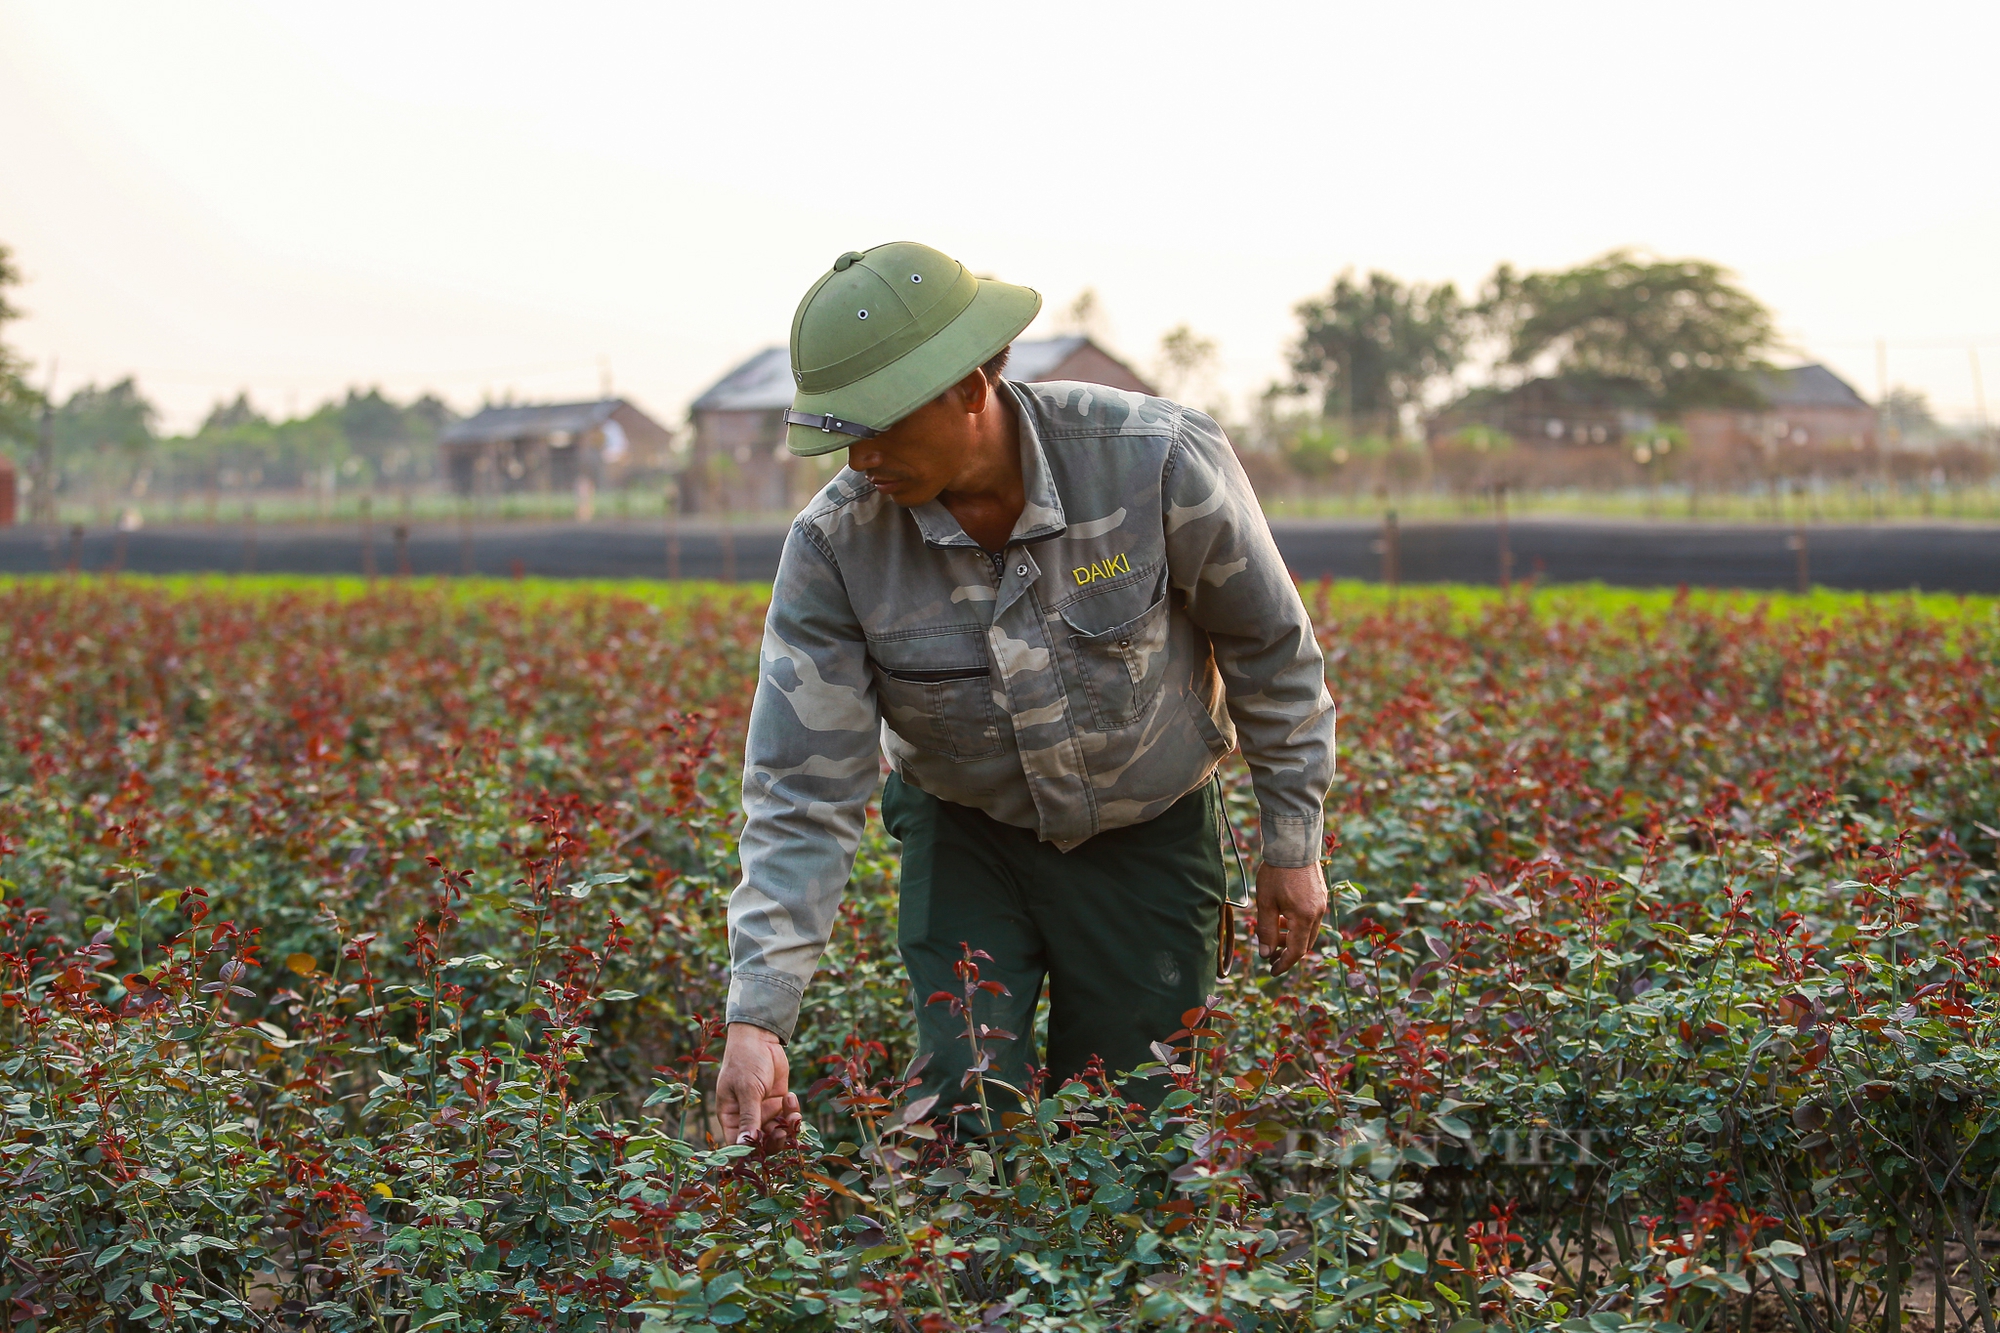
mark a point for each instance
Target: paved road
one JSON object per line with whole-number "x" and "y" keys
{"x": 1935, "y": 557}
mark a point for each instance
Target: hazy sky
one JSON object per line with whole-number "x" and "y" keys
{"x": 291, "y": 198}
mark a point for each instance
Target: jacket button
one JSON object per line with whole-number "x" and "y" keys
{"x": 1021, "y": 570}
{"x": 1124, "y": 643}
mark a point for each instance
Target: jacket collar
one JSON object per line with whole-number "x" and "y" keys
{"x": 1042, "y": 510}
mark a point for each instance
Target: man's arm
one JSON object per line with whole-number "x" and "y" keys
{"x": 810, "y": 761}
{"x": 1222, "y": 558}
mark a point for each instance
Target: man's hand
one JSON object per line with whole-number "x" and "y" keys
{"x": 1291, "y": 902}
{"x": 750, "y": 1091}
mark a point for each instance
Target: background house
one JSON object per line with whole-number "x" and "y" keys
{"x": 738, "y": 461}
{"x": 1599, "y": 433}
{"x": 551, "y": 446}
{"x": 1073, "y": 358}
{"x": 1553, "y": 411}
{"x": 1804, "y": 407}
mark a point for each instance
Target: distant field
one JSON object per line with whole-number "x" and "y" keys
{"x": 1828, "y": 505}
{"x": 1972, "y": 504}
{"x": 1337, "y": 598}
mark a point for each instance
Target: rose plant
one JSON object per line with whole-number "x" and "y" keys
{"x": 364, "y": 955}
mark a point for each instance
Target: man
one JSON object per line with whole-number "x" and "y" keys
{"x": 1055, "y": 607}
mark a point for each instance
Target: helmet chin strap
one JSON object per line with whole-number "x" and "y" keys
{"x": 830, "y": 424}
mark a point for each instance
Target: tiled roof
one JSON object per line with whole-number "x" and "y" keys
{"x": 1808, "y": 386}
{"x": 761, "y": 384}
{"x": 1037, "y": 360}
{"x": 492, "y": 424}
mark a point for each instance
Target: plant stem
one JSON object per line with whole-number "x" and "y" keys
{"x": 139, "y": 924}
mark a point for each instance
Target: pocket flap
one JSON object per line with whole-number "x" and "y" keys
{"x": 1083, "y": 630}
{"x": 936, "y": 675}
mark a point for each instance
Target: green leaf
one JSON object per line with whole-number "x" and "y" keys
{"x": 1526, "y": 1286}
{"x": 874, "y": 1252}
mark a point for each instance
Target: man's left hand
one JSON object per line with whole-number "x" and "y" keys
{"x": 1291, "y": 902}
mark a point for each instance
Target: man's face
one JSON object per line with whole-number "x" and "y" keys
{"x": 922, "y": 454}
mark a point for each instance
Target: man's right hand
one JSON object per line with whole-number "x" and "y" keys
{"x": 750, "y": 1089}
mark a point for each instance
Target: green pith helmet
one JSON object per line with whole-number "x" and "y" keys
{"x": 885, "y": 331}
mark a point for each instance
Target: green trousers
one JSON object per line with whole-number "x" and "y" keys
{"x": 1123, "y": 929}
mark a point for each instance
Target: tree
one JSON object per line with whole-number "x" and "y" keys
{"x": 1085, "y": 315}
{"x": 105, "y": 434}
{"x": 427, "y": 417}
{"x": 230, "y": 416}
{"x": 1677, "y": 333}
{"x": 1186, "y": 358}
{"x": 1906, "y": 415}
{"x": 1373, "y": 349}
{"x": 371, "y": 422}
{"x": 98, "y": 420}
{"x": 18, "y": 402}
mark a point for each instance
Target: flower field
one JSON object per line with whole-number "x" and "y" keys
{"x": 364, "y": 954}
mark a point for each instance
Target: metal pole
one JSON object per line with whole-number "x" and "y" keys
{"x": 1978, "y": 391}
{"x": 1881, "y": 377}
{"x": 1506, "y": 549}
{"x": 42, "y": 504}
{"x": 673, "y": 502}
{"x": 1392, "y": 561}
{"x": 368, "y": 537}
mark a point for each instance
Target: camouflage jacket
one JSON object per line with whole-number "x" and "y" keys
{"x": 1139, "y": 622}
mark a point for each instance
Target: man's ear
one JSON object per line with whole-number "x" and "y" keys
{"x": 973, "y": 391}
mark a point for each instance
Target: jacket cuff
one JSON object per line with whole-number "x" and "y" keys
{"x": 770, "y": 1000}
{"x": 1289, "y": 841}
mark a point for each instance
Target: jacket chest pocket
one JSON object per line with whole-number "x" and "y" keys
{"x": 1121, "y": 668}
{"x": 936, "y": 693}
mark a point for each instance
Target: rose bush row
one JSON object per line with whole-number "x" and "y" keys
{"x": 364, "y": 952}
